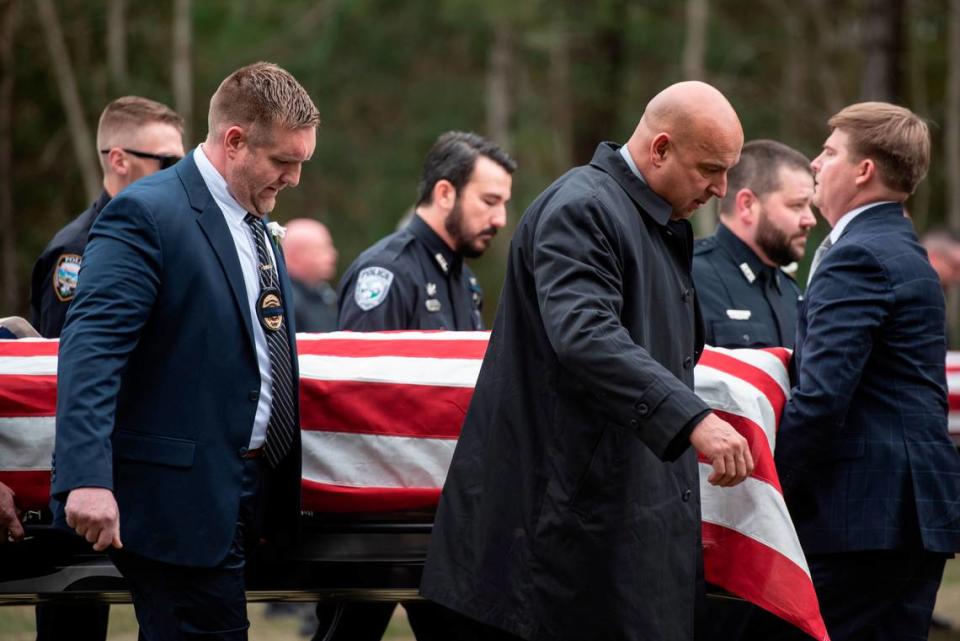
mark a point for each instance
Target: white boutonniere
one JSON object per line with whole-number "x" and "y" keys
{"x": 277, "y": 232}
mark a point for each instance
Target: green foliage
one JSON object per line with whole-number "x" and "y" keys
{"x": 389, "y": 77}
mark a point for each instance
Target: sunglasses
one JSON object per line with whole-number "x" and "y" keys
{"x": 164, "y": 160}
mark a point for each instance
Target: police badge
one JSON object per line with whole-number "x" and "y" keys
{"x": 65, "y": 275}
{"x": 270, "y": 309}
{"x": 373, "y": 283}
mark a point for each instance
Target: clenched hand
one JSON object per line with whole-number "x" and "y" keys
{"x": 725, "y": 448}
{"x": 11, "y": 530}
{"x": 93, "y": 513}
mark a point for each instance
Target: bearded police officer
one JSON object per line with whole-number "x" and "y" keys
{"x": 746, "y": 298}
{"x": 416, "y": 277}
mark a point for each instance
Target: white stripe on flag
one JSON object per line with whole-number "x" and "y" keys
{"x": 722, "y": 391}
{"x": 26, "y": 443}
{"x": 442, "y": 372}
{"x": 374, "y": 460}
{"x": 761, "y": 359}
{"x": 394, "y": 336}
{"x": 755, "y": 509}
{"x": 953, "y": 382}
{"x": 28, "y": 365}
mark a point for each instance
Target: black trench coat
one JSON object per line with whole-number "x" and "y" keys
{"x": 571, "y": 509}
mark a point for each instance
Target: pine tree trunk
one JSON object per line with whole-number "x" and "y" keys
{"x": 499, "y": 103}
{"x": 182, "y": 67}
{"x": 883, "y": 45}
{"x": 117, "y": 42}
{"x": 83, "y": 144}
{"x": 8, "y": 240}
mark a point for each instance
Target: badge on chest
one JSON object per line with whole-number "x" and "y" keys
{"x": 270, "y": 309}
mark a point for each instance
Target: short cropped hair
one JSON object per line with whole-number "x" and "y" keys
{"x": 122, "y": 117}
{"x": 893, "y": 137}
{"x": 759, "y": 170}
{"x": 453, "y": 157}
{"x": 259, "y": 96}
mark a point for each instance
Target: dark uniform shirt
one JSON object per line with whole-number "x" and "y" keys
{"x": 744, "y": 302}
{"x": 314, "y": 307}
{"x": 54, "y": 279}
{"x": 410, "y": 280}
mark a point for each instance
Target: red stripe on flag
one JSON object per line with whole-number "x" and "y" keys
{"x": 29, "y": 348}
{"x": 761, "y": 575}
{"x": 763, "y": 466}
{"x": 359, "y": 348}
{"x": 749, "y": 373}
{"x": 31, "y": 487}
{"x": 395, "y": 409}
{"x": 323, "y": 497}
{"x": 27, "y": 395}
{"x": 954, "y": 401}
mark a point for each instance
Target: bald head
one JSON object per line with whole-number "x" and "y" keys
{"x": 309, "y": 252}
{"x": 687, "y": 139}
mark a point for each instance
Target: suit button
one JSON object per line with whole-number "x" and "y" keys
{"x": 242, "y": 452}
{"x": 254, "y": 396}
{"x": 686, "y": 495}
{"x": 688, "y": 362}
{"x": 746, "y": 338}
{"x": 687, "y": 295}
{"x": 634, "y": 423}
{"x": 643, "y": 409}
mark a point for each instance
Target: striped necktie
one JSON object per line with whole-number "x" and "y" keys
{"x": 281, "y": 429}
{"x": 818, "y": 255}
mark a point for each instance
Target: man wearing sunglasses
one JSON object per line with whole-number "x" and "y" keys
{"x": 136, "y": 137}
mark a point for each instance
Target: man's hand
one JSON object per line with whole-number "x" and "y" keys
{"x": 93, "y": 513}
{"x": 725, "y": 448}
{"x": 11, "y": 530}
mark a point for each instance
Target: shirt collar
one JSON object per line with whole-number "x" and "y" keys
{"x": 632, "y": 165}
{"x": 217, "y": 185}
{"x": 746, "y": 259}
{"x": 445, "y": 258}
{"x": 848, "y": 217}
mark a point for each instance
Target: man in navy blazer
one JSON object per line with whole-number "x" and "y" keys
{"x": 867, "y": 468}
{"x": 177, "y": 429}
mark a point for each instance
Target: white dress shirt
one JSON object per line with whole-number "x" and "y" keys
{"x": 233, "y": 214}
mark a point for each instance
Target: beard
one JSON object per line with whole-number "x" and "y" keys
{"x": 470, "y": 246}
{"x": 775, "y": 243}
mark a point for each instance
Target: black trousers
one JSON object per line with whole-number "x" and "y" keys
{"x": 178, "y": 603}
{"x": 81, "y": 622}
{"x": 429, "y": 622}
{"x": 882, "y": 595}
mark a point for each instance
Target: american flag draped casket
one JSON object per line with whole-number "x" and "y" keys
{"x": 380, "y": 414}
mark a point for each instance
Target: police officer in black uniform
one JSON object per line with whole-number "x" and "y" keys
{"x": 136, "y": 137}
{"x": 746, "y": 298}
{"x": 414, "y": 279}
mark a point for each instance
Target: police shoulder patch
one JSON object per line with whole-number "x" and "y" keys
{"x": 373, "y": 283}
{"x": 65, "y": 274}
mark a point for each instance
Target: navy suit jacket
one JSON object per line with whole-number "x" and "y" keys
{"x": 863, "y": 451}
{"x": 157, "y": 378}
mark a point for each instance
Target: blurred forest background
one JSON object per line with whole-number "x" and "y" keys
{"x": 547, "y": 80}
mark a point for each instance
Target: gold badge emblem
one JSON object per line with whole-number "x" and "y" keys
{"x": 270, "y": 309}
